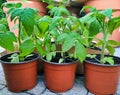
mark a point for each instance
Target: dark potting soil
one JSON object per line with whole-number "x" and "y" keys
{"x": 94, "y": 61}
{"x": 65, "y": 61}
{"x": 6, "y": 59}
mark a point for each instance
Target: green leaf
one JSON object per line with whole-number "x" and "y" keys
{"x": 55, "y": 33}
{"x": 3, "y": 28}
{"x": 47, "y": 42}
{"x": 107, "y": 13}
{"x": 61, "y": 37}
{"x": 73, "y": 18}
{"x": 27, "y": 47}
{"x": 68, "y": 44}
{"x": 61, "y": 60}
{"x": 94, "y": 28}
{"x": 53, "y": 47}
{"x": 113, "y": 43}
{"x": 49, "y": 56}
{"x": 15, "y": 58}
{"x": 101, "y": 18}
{"x": 59, "y": 11}
{"x": 110, "y": 49}
{"x": 43, "y": 27}
{"x": 50, "y": 7}
{"x": 11, "y": 36}
{"x": 53, "y": 54}
{"x": 55, "y": 22}
{"x": 91, "y": 55}
{"x": 71, "y": 55}
{"x": 9, "y": 5}
{"x": 80, "y": 51}
{"x": 6, "y": 40}
{"x": 10, "y": 11}
{"x": 88, "y": 18}
{"x": 113, "y": 24}
{"x": 23, "y": 34}
{"x": 99, "y": 43}
{"x": 109, "y": 60}
{"x": 18, "y": 5}
{"x": 67, "y": 22}
{"x": 85, "y": 7}
{"x": 26, "y": 17}
{"x": 40, "y": 48}
{"x": 15, "y": 13}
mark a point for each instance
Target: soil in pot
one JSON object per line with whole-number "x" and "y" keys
{"x": 20, "y": 76}
{"x": 59, "y": 77}
{"x": 102, "y": 79}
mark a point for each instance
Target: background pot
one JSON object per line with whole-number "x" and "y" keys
{"x": 40, "y": 6}
{"x": 104, "y": 4}
{"x": 20, "y": 76}
{"x": 102, "y": 79}
{"x": 59, "y": 77}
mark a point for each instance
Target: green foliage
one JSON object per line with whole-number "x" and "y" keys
{"x": 91, "y": 56}
{"x": 62, "y": 31}
{"x": 3, "y": 28}
{"x": 108, "y": 59}
{"x": 26, "y": 47}
{"x": 2, "y": 14}
{"x": 14, "y": 57}
{"x": 6, "y": 40}
{"x": 26, "y": 18}
{"x": 6, "y": 37}
{"x": 58, "y": 10}
{"x": 4, "y": 22}
{"x": 102, "y": 21}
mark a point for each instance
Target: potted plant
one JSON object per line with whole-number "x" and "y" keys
{"x": 104, "y": 4}
{"x": 102, "y": 71}
{"x": 60, "y": 30}
{"x": 20, "y": 67}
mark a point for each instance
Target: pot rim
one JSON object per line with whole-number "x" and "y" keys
{"x": 23, "y": 62}
{"x": 55, "y": 63}
{"x": 104, "y": 65}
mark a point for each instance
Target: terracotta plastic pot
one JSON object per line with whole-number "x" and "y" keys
{"x": 104, "y": 4}
{"x": 59, "y": 77}
{"x": 80, "y": 66}
{"x": 20, "y": 76}
{"x": 102, "y": 79}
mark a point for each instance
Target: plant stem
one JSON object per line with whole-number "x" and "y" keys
{"x": 19, "y": 29}
{"x": 104, "y": 43}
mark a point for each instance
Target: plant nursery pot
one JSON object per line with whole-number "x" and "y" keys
{"x": 104, "y": 4}
{"x": 59, "y": 77}
{"x": 20, "y": 76}
{"x": 80, "y": 66}
{"x": 102, "y": 79}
